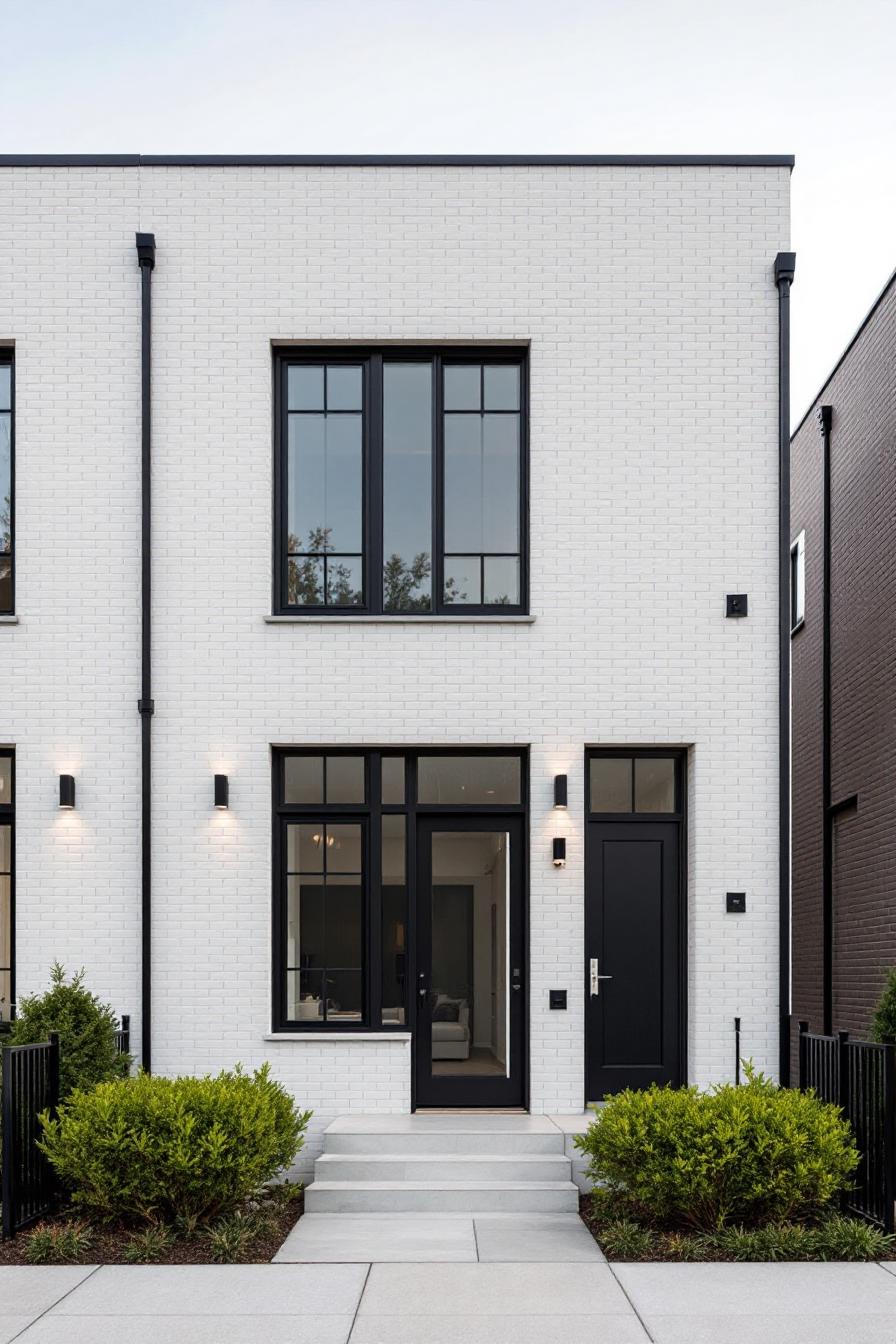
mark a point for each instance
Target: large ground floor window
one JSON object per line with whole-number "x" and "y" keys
{"x": 7, "y": 775}
{"x": 352, "y": 829}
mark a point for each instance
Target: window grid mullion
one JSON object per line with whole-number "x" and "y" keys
{"x": 438, "y": 487}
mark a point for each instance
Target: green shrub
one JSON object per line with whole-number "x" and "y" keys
{"x": 164, "y": 1149}
{"x": 776, "y": 1241}
{"x": 840, "y": 1238}
{"x": 57, "y": 1243}
{"x": 88, "y": 1048}
{"x": 623, "y": 1239}
{"x": 883, "y": 1024}
{"x": 150, "y": 1245}
{"x": 735, "y": 1155}
{"x": 231, "y": 1237}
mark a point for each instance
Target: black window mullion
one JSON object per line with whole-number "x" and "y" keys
{"x": 410, "y": 879}
{"x": 438, "y": 487}
{"x": 373, "y": 941}
{"x": 373, "y": 485}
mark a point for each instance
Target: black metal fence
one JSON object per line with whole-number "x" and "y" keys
{"x": 30, "y": 1084}
{"x": 860, "y": 1078}
{"x": 123, "y": 1035}
{"x": 30, "y": 1081}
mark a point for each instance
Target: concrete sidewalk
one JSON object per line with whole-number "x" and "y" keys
{"x": 454, "y": 1303}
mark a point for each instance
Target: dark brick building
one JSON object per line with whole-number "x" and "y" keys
{"x": 843, "y": 654}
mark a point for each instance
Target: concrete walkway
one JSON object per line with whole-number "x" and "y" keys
{"x": 450, "y": 1303}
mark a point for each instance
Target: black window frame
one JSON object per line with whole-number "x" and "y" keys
{"x": 370, "y": 814}
{"x": 675, "y": 754}
{"x": 797, "y": 562}
{"x": 8, "y": 817}
{"x": 371, "y": 359}
{"x": 7, "y": 360}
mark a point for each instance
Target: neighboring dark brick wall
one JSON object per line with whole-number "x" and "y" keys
{"x": 862, "y": 393}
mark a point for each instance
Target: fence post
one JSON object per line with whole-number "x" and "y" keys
{"x": 53, "y": 1078}
{"x": 889, "y": 1133}
{"x": 737, "y": 1052}
{"x": 6, "y": 1120}
{"x": 843, "y": 1091}
{"x": 803, "y": 1052}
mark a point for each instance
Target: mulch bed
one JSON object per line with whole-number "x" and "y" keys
{"x": 108, "y": 1244}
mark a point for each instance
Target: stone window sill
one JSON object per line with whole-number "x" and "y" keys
{"x": 337, "y": 1036}
{"x": 399, "y": 620}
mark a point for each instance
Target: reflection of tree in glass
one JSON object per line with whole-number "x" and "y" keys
{"x": 400, "y": 580}
{"x": 6, "y": 524}
{"x": 306, "y": 574}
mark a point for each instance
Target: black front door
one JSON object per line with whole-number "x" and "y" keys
{"x": 469, "y": 935}
{"x": 633, "y": 954}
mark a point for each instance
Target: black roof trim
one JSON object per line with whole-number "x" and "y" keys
{"x": 396, "y": 160}
{"x": 861, "y": 327}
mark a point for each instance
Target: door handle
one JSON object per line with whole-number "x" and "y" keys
{"x": 421, "y": 985}
{"x": 596, "y": 978}
{"x": 516, "y": 983}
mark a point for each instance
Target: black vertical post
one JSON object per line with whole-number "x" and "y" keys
{"x": 53, "y": 1072}
{"x": 803, "y": 1051}
{"x": 843, "y": 1098}
{"x": 785, "y": 266}
{"x": 843, "y": 1071}
{"x": 146, "y": 259}
{"x": 889, "y": 1135}
{"x": 6, "y": 1152}
{"x": 737, "y": 1052}
{"x": 825, "y": 418}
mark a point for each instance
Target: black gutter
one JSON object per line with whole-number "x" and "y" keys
{"x": 396, "y": 160}
{"x": 785, "y": 265}
{"x": 146, "y": 259}
{"x": 825, "y": 420}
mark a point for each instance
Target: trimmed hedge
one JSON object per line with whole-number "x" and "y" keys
{"x": 164, "y": 1148}
{"x": 743, "y": 1156}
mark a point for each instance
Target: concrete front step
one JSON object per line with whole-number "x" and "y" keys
{"x": 518, "y": 1167}
{"x": 441, "y": 1197}
{"x": 408, "y": 1135}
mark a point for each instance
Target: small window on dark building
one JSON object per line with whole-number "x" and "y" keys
{"x": 798, "y": 583}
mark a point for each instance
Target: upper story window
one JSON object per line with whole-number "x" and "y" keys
{"x": 6, "y": 483}
{"x": 401, "y": 482}
{"x": 798, "y": 583}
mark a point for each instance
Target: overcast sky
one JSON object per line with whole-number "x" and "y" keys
{"x": 814, "y": 78}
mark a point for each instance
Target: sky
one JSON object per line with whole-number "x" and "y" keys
{"x": 814, "y": 78}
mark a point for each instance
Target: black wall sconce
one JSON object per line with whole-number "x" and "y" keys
{"x": 222, "y": 792}
{"x": 559, "y": 790}
{"x": 559, "y": 851}
{"x": 67, "y": 791}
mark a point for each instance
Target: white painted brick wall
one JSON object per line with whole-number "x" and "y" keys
{"x": 648, "y": 299}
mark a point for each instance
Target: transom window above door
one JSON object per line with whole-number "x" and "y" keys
{"x": 401, "y": 482}
{"x": 639, "y": 782}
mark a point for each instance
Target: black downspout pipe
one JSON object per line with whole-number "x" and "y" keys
{"x": 825, "y": 420}
{"x": 785, "y": 265}
{"x": 146, "y": 259}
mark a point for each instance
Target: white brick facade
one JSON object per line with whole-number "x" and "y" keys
{"x": 647, "y": 297}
